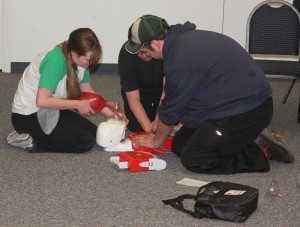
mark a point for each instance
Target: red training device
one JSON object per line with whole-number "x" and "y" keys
{"x": 163, "y": 149}
{"x": 138, "y": 161}
{"x": 98, "y": 104}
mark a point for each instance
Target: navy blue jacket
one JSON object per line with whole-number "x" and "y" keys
{"x": 208, "y": 76}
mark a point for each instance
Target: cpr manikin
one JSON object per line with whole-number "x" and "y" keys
{"x": 111, "y": 132}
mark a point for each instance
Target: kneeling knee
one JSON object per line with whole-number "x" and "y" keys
{"x": 84, "y": 145}
{"x": 194, "y": 165}
{"x": 187, "y": 162}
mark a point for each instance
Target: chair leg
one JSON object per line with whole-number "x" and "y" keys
{"x": 288, "y": 91}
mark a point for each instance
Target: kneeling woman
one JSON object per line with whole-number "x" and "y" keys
{"x": 47, "y": 93}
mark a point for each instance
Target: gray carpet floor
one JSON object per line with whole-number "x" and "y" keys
{"x": 87, "y": 190}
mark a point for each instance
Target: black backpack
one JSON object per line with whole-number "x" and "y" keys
{"x": 220, "y": 200}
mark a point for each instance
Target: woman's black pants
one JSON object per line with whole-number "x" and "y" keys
{"x": 72, "y": 134}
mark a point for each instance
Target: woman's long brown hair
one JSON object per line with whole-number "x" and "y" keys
{"x": 81, "y": 41}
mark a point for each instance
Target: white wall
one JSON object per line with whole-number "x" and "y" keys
{"x": 35, "y": 25}
{"x": 30, "y": 26}
{"x": 2, "y": 25}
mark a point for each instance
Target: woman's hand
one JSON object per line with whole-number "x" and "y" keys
{"x": 84, "y": 107}
{"x": 122, "y": 117}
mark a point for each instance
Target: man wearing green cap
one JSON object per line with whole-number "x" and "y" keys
{"x": 216, "y": 91}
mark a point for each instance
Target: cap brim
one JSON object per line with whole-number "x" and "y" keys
{"x": 132, "y": 47}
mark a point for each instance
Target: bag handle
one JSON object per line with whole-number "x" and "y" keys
{"x": 177, "y": 204}
{"x": 209, "y": 190}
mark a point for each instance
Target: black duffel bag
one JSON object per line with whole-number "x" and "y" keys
{"x": 220, "y": 200}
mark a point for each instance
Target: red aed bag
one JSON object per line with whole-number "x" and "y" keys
{"x": 138, "y": 161}
{"x": 98, "y": 104}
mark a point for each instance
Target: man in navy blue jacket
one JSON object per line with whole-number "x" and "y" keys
{"x": 216, "y": 91}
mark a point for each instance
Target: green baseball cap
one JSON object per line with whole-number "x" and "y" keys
{"x": 144, "y": 30}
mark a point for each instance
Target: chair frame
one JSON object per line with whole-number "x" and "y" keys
{"x": 293, "y": 78}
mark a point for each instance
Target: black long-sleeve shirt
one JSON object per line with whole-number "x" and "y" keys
{"x": 137, "y": 74}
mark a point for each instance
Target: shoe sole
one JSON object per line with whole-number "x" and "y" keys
{"x": 269, "y": 138}
{"x": 19, "y": 140}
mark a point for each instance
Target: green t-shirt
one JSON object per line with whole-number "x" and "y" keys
{"x": 53, "y": 69}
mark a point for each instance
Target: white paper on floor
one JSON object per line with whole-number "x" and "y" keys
{"x": 191, "y": 182}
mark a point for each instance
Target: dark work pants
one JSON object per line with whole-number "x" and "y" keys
{"x": 225, "y": 146}
{"x": 72, "y": 134}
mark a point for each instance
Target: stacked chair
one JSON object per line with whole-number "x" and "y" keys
{"x": 273, "y": 37}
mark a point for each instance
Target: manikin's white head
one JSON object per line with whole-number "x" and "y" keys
{"x": 110, "y": 132}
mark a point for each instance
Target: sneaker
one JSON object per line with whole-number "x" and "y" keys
{"x": 31, "y": 148}
{"x": 19, "y": 140}
{"x": 273, "y": 146}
